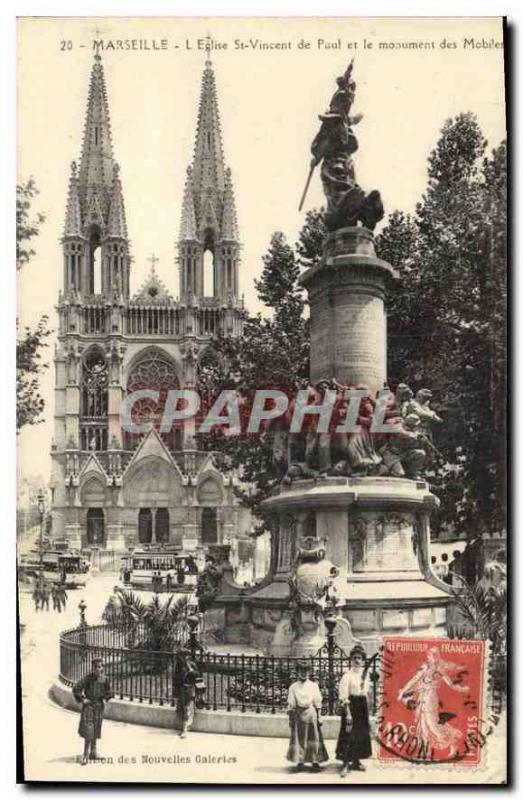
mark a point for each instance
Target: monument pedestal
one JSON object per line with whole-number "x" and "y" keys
{"x": 347, "y": 291}
{"x": 374, "y": 523}
{"x": 376, "y": 532}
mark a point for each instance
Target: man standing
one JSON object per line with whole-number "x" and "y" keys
{"x": 184, "y": 686}
{"x": 304, "y": 706}
{"x": 44, "y": 596}
{"x": 92, "y": 692}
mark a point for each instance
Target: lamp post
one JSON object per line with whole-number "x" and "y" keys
{"x": 41, "y": 511}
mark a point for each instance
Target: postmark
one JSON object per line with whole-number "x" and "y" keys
{"x": 432, "y": 701}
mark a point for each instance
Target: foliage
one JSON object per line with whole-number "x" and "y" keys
{"x": 484, "y": 608}
{"x": 271, "y": 353}
{"x": 29, "y": 402}
{"x": 26, "y": 227}
{"x": 153, "y": 626}
{"x": 446, "y": 319}
{"x": 446, "y": 328}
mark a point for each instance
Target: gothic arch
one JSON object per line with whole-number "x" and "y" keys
{"x": 155, "y": 355}
{"x": 152, "y": 482}
{"x": 94, "y": 382}
{"x": 153, "y": 369}
{"x": 92, "y": 492}
{"x": 209, "y": 492}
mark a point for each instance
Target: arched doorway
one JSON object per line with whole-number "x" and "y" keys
{"x": 209, "y": 526}
{"x": 162, "y": 525}
{"x": 95, "y": 527}
{"x": 145, "y": 526}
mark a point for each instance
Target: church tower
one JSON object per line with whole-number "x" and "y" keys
{"x": 95, "y": 241}
{"x": 119, "y": 479}
{"x": 209, "y": 247}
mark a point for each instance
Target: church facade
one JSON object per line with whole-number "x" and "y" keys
{"x": 113, "y": 489}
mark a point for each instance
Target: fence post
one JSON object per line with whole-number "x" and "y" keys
{"x": 330, "y": 624}
{"x": 192, "y": 622}
{"x": 82, "y": 606}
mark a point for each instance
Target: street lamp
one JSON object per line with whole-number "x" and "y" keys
{"x": 41, "y": 511}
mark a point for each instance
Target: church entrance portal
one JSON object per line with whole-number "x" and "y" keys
{"x": 95, "y": 527}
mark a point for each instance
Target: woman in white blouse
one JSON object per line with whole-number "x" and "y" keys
{"x": 304, "y": 705}
{"x": 354, "y": 737}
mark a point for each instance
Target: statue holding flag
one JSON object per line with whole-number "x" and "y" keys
{"x": 333, "y": 147}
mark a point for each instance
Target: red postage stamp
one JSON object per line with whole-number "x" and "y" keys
{"x": 432, "y": 694}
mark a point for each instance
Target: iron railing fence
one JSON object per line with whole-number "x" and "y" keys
{"x": 232, "y": 682}
{"x": 139, "y": 671}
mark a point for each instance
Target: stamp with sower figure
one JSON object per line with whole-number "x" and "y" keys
{"x": 432, "y": 693}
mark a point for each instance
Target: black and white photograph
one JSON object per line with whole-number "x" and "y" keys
{"x": 261, "y": 411}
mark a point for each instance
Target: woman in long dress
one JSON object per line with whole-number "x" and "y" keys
{"x": 354, "y": 743}
{"x": 306, "y": 743}
{"x": 421, "y": 693}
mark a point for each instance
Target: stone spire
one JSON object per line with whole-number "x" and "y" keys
{"x": 96, "y": 164}
{"x": 229, "y": 221}
{"x": 208, "y": 221}
{"x": 95, "y": 231}
{"x": 73, "y": 216}
{"x": 117, "y": 223}
{"x": 188, "y": 223}
{"x": 208, "y": 161}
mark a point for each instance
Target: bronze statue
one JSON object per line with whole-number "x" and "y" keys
{"x": 333, "y": 147}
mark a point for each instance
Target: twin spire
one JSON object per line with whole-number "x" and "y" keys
{"x": 95, "y": 191}
{"x": 95, "y": 197}
{"x": 208, "y": 201}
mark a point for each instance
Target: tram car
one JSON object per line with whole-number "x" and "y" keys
{"x": 162, "y": 570}
{"x": 65, "y": 566}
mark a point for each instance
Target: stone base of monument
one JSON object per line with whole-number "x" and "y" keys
{"x": 375, "y": 531}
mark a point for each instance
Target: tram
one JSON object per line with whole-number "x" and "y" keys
{"x": 66, "y": 566}
{"x": 162, "y": 570}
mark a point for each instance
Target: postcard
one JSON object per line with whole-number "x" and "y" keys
{"x": 261, "y": 400}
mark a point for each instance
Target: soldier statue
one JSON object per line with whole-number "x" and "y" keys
{"x": 333, "y": 147}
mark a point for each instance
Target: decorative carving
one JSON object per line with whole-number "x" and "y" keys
{"x": 420, "y": 406}
{"x": 287, "y": 533}
{"x": 402, "y": 452}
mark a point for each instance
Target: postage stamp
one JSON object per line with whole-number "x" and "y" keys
{"x": 432, "y": 700}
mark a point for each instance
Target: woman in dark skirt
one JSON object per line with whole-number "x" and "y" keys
{"x": 354, "y": 738}
{"x": 92, "y": 692}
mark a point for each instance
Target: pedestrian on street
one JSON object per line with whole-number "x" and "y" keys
{"x": 184, "y": 687}
{"x": 306, "y": 743}
{"x": 354, "y": 737}
{"x": 37, "y": 596}
{"x": 168, "y": 582}
{"x": 92, "y": 692}
{"x": 62, "y": 597}
{"x": 57, "y": 606}
{"x": 44, "y": 596}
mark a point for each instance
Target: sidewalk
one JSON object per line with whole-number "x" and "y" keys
{"x": 139, "y": 753}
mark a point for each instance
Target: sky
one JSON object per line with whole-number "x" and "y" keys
{"x": 269, "y": 100}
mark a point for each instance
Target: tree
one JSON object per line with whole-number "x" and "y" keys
{"x": 26, "y": 228}
{"x": 153, "y": 626}
{"x": 446, "y": 324}
{"x": 29, "y": 402}
{"x": 447, "y": 319}
{"x": 272, "y": 353}
{"x": 29, "y": 366}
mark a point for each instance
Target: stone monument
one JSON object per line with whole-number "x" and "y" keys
{"x": 350, "y": 534}
{"x": 366, "y": 500}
